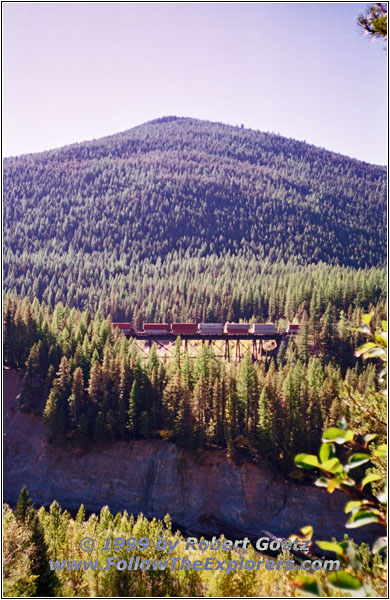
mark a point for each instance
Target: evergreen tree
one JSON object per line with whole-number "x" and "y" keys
{"x": 24, "y": 506}
{"x": 82, "y": 430}
{"x": 247, "y": 394}
{"x": 264, "y": 438}
{"x": 47, "y": 582}
{"x": 303, "y": 339}
{"x": 54, "y": 415}
{"x": 76, "y": 400}
{"x": 100, "y": 431}
{"x": 135, "y": 408}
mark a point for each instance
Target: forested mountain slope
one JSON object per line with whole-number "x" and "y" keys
{"x": 184, "y": 185}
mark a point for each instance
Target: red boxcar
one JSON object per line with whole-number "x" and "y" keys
{"x": 180, "y": 328}
{"x": 124, "y": 327}
{"x": 237, "y": 328}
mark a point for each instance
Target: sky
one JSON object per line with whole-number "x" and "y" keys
{"x": 80, "y": 71}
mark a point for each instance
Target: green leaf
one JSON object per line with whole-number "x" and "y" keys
{"x": 366, "y": 319}
{"x": 307, "y": 531}
{"x": 306, "y": 461}
{"x": 337, "y": 435}
{"x": 369, "y": 437}
{"x": 362, "y": 349}
{"x": 326, "y": 452}
{"x": 384, "y": 325}
{"x": 331, "y": 547}
{"x": 381, "y": 451}
{"x": 362, "y": 517}
{"x": 333, "y": 465}
{"x": 322, "y": 482}
{"x": 308, "y": 586}
{"x": 363, "y": 329}
{"x": 382, "y": 497}
{"x": 374, "y": 353}
{"x": 351, "y": 505}
{"x": 369, "y": 478}
{"x": 349, "y": 481}
{"x": 333, "y": 484}
{"x": 355, "y": 460}
{"x": 381, "y": 338}
{"x": 379, "y": 545}
{"x": 345, "y": 581}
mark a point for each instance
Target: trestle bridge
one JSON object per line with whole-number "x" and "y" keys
{"x": 231, "y": 347}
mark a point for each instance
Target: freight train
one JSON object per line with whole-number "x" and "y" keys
{"x": 211, "y": 329}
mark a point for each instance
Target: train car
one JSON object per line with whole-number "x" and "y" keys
{"x": 180, "y": 328}
{"x": 237, "y": 328}
{"x": 126, "y": 328}
{"x": 156, "y": 328}
{"x": 210, "y": 328}
{"x": 264, "y": 328}
{"x": 293, "y": 328}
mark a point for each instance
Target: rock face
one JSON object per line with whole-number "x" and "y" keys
{"x": 206, "y": 492}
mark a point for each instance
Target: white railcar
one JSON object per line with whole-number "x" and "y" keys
{"x": 264, "y": 328}
{"x": 210, "y": 328}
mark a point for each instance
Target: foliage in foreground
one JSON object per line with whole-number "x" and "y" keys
{"x": 59, "y": 539}
{"x": 367, "y": 492}
{"x": 374, "y": 20}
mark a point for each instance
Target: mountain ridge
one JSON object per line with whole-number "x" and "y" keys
{"x": 173, "y": 118}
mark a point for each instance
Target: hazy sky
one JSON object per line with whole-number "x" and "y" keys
{"x": 77, "y": 71}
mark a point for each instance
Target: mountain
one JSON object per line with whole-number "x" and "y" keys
{"x": 80, "y": 215}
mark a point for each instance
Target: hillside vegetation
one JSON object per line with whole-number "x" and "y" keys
{"x": 92, "y": 386}
{"x": 89, "y": 222}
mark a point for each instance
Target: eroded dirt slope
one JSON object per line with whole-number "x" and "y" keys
{"x": 206, "y": 493}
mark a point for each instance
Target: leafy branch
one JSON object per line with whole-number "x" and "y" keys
{"x": 365, "y": 507}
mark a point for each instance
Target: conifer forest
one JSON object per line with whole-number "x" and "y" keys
{"x": 198, "y": 224}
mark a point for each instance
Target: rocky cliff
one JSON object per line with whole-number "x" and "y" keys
{"x": 206, "y": 493}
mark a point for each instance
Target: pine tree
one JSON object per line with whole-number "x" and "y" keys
{"x": 135, "y": 408}
{"x": 54, "y": 415}
{"x": 24, "y": 506}
{"x": 314, "y": 320}
{"x": 76, "y": 400}
{"x": 327, "y": 332}
{"x": 82, "y": 430}
{"x": 95, "y": 387}
{"x": 63, "y": 381}
{"x": 100, "y": 431}
{"x": 264, "y": 442}
{"x": 47, "y": 582}
{"x": 172, "y": 397}
{"x": 152, "y": 362}
{"x": 201, "y": 400}
{"x": 177, "y": 359}
{"x": 144, "y": 425}
{"x": 80, "y": 517}
{"x": 247, "y": 393}
{"x": 111, "y": 425}
{"x": 18, "y": 580}
{"x": 55, "y": 526}
{"x": 302, "y": 340}
{"x": 10, "y": 346}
